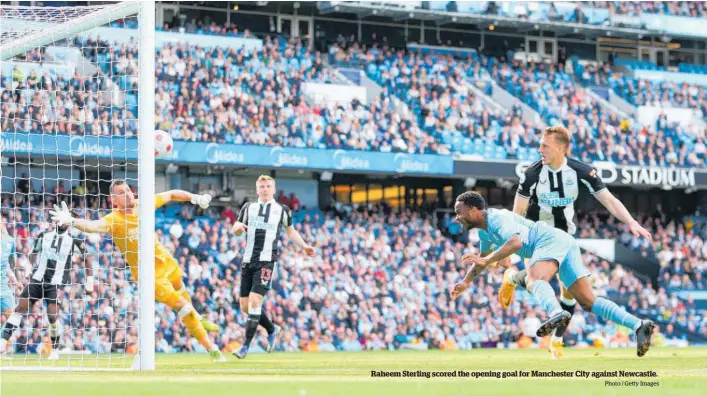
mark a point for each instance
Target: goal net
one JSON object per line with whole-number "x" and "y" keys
{"x": 72, "y": 122}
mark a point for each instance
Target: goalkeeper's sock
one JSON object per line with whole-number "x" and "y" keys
{"x": 185, "y": 294}
{"x": 54, "y": 334}
{"x": 610, "y": 311}
{"x": 194, "y": 326}
{"x": 254, "y": 315}
{"x": 12, "y": 323}
{"x": 519, "y": 279}
{"x": 266, "y": 323}
{"x": 542, "y": 291}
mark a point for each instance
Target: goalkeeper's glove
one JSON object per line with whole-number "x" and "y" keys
{"x": 201, "y": 200}
{"x": 61, "y": 215}
{"x": 89, "y": 284}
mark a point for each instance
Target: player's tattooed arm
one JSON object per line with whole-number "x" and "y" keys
{"x": 511, "y": 246}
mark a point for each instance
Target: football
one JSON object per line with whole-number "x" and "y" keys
{"x": 163, "y": 144}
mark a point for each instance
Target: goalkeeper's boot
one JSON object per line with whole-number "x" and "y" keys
{"x": 273, "y": 338}
{"x": 560, "y": 319}
{"x": 505, "y": 293}
{"x": 210, "y": 326}
{"x": 217, "y": 356}
{"x": 643, "y": 337}
{"x": 53, "y": 355}
{"x": 556, "y": 349}
{"x": 241, "y": 353}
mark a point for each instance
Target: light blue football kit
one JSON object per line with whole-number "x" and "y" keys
{"x": 541, "y": 242}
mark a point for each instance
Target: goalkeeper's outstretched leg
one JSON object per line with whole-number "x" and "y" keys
{"x": 175, "y": 278}
{"x": 165, "y": 293}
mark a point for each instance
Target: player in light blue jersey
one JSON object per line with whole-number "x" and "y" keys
{"x": 7, "y": 274}
{"x": 549, "y": 250}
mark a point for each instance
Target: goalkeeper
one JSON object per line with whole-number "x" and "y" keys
{"x": 121, "y": 224}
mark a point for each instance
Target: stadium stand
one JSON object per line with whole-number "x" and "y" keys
{"x": 446, "y": 115}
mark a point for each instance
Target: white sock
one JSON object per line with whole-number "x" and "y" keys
{"x": 185, "y": 311}
{"x": 569, "y": 302}
{"x": 198, "y": 315}
{"x": 254, "y": 311}
{"x": 15, "y": 319}
{"x": 214, "y": 347}
{"x": 53, "y": 329}
{"x": 555, "y": 338}
{"x": 513, "y": 273}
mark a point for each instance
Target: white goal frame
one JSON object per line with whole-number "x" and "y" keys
{"x": 145, "y": 10}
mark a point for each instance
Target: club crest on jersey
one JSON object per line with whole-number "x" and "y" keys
{"x": 570, "y": 182}
{"x": 553, "y": 199}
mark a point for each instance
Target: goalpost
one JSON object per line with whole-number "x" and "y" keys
{"x": 72, "y": 121}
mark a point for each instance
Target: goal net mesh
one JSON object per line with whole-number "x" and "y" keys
{"x": 69, "y": 118}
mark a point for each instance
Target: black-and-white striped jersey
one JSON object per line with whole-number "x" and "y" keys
{"x": 552, "y": 193}
{"x": 265, "y": 220}
{"x": 54, "y": 252}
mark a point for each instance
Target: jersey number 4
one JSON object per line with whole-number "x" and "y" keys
{"x": 264, "y": 212}
{"x": 55, "y": 243}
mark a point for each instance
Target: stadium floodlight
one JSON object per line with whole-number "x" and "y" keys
{"x": 78, "y": 118}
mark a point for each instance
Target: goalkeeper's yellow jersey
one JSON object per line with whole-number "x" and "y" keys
{"x": 123, "y": 228}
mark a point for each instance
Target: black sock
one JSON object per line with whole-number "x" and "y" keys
{"x": 55, "y": 342}
{"x": 12, "y": 323}
{"x": 560, "y": 331}
{"x": 7, "y": 330}
{"x": 266, "y": 323}
{"x": 250, "y": 328}
{"x": 519, "y": 278}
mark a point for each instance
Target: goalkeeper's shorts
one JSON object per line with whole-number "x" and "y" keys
{"x": 165, "y": 290}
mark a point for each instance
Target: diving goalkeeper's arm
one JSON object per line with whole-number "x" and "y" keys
{"x": 185, "y": 196}
{"x": 62, "y": 216}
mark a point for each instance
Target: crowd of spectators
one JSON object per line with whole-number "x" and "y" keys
{"x": 230, "y": 95}
{"x": 379, "y": 281}
{"x": 695, "y": 9}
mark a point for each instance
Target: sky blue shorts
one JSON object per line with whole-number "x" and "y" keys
{"x": 7, "y": 298}
{"x": 552, "y": 244}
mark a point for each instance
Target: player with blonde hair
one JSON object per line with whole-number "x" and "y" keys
{"x": 262, "y": 222}
{"x": 547, "y": 193}
{"x": 122, "y": 225}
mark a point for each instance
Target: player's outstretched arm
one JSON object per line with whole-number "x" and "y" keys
{"x": 476, "y": 269}
{"x": 62, "y": 216}
{"x": 512, "y": 245}
{"x": 184, "y": 196}
{"x": 618, "y": 210}
{"x": 295, "y": 236}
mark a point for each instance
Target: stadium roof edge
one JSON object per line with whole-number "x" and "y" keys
{"x": 400, "y": 14}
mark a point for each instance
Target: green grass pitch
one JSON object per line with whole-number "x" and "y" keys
{"x": 680, "y": 372}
